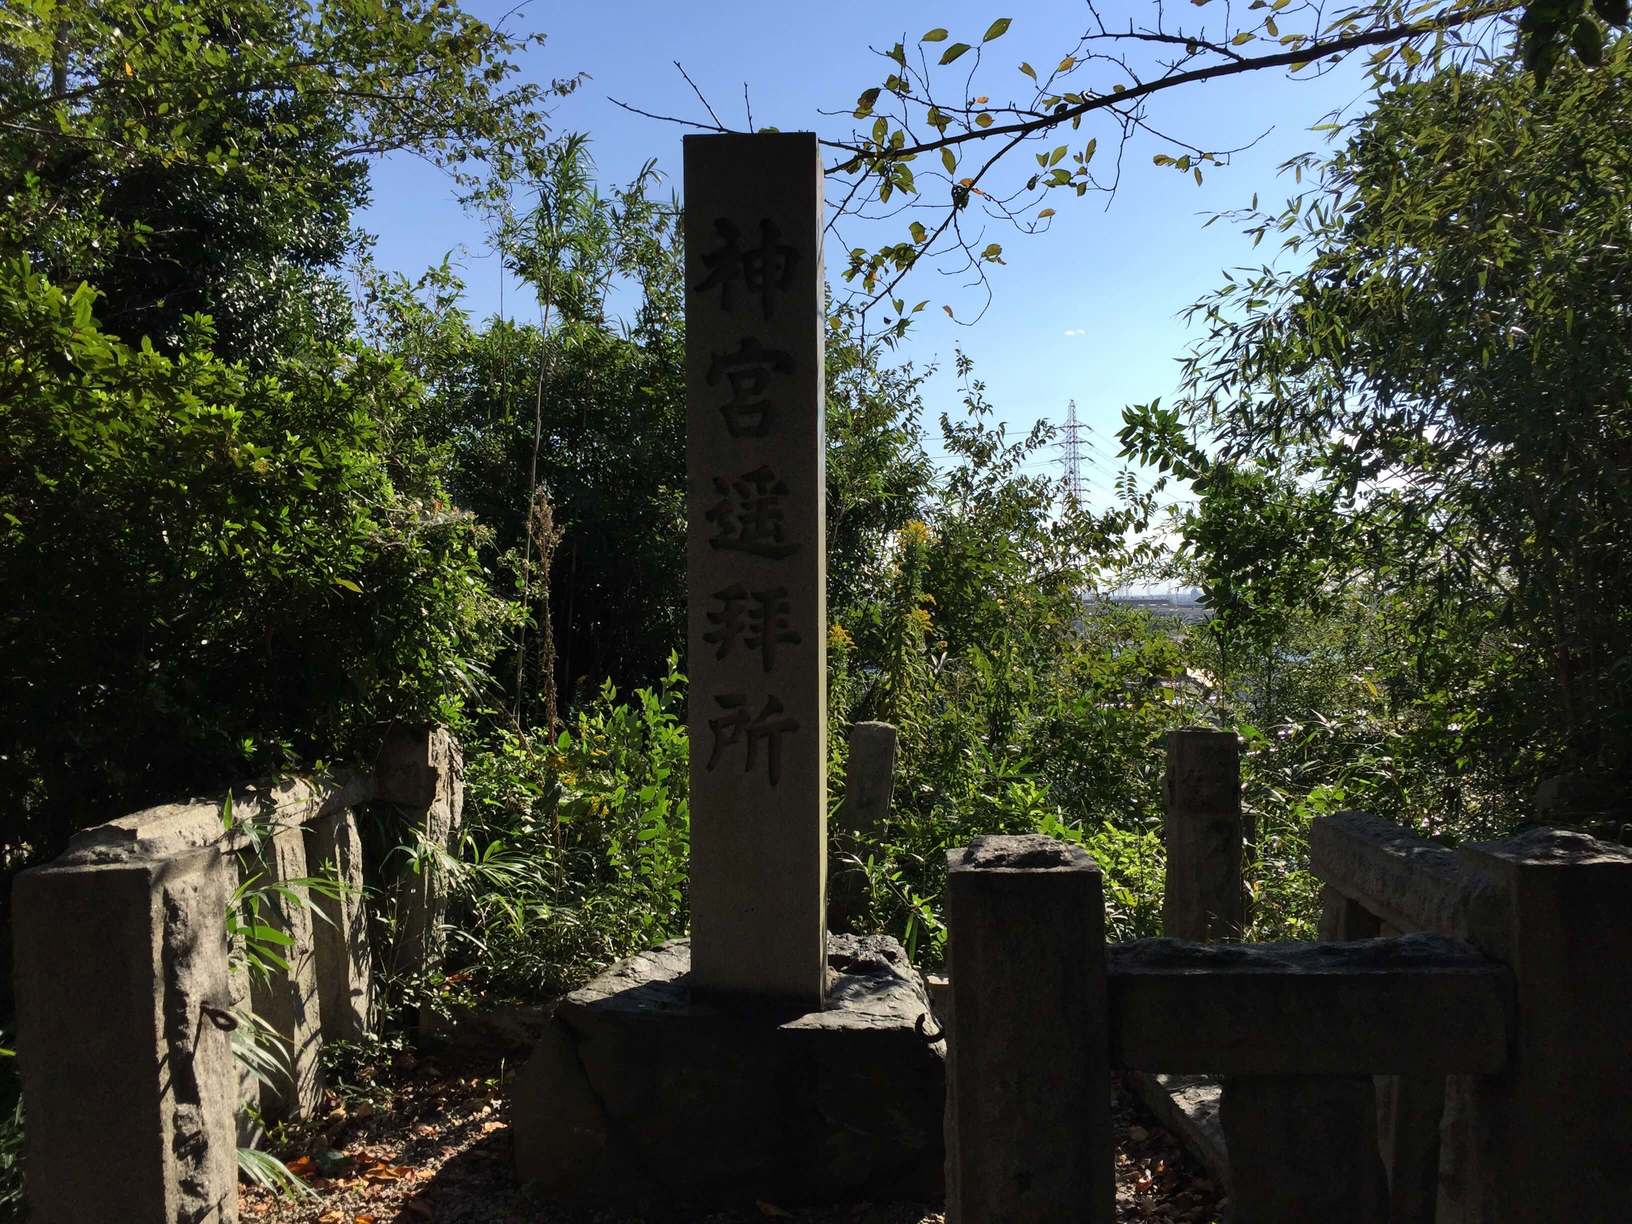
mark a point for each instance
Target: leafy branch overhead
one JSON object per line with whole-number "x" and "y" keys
{"x": 936, "y": 143}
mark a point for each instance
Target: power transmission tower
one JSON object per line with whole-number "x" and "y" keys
{"x": 1072, "y": 438}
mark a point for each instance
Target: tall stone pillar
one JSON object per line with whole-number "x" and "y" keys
{"x": 756, "y": 568}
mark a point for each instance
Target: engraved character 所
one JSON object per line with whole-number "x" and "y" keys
{"x": 735, "y": 726}
{"x": 748, "y": 371}
{"x": 748, "y": 516}
{"x": 766, "y": 269}
{"x": 758, "y": 619}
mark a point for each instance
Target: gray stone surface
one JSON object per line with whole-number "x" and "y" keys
{"x": 1416, "y": 1005}
{"x": 1551, "y": 1139}
{"x": 1028, "y": 1127}
{"x": 130, "y": 1088}
{"x": 1408, "y": 1107}
{"x": 1188, "y": 1106}
{"x": 341, "y": 960}
{"x": 1407, "y": 881}
{"x": 756, "y": 565}
{"x": 1203, "y": 898}
{"x": 1409, "y": 1110}
{"x": 173, "y": 828}
{"x": 869, "y": 777}
{"x": 287, "y": 998}
{"x": 1303, "y": 1148}
{"x": 640, "y": 1092}
{"x": 1343, "y": 918}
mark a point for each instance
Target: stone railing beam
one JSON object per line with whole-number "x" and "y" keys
{"x": 1419, "y": 1004}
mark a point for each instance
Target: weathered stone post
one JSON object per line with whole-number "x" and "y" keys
{"x": 1408, "y": 1107}
{"x": 421, "y": 770}
{"x": 1028, "y": 1130}
{"x": 756, "y": 568}
{"x": 121, "y": 964}
{"x": 341, "y": 954}
{"x": 1204, "y": 898}
{"x": 1550, "y": 1139}
{"x": 869, "y": 777}
{"x": 286, "y": 998}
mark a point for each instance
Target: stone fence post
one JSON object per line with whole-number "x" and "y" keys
{"x": 421, "y": 771}
{"x": 121, "y": 971}
{"x": 869, "y": 778}
{"x": 1028, "y": 1131}
{"x": 1550, "y": 1139}
{"x": 1204, "y": 898}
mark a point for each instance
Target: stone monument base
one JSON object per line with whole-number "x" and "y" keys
{"x": 637, "y": 1092}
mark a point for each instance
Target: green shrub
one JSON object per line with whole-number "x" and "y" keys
{"x": 209, "y": 575}
{"x": 575, "y": 851}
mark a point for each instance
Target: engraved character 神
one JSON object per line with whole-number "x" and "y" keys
{"x": 766, "y": 269}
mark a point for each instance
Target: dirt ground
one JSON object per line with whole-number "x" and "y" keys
{"x": 408, "y": 1139}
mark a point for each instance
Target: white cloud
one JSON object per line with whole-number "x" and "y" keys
{"x": 1076, "y": 331}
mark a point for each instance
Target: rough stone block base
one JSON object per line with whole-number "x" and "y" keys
{"x": 638, "y": 1092}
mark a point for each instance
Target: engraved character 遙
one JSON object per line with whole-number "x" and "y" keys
{"x": 748, "y": 516}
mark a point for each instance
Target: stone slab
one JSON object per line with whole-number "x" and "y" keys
{"x": 869, "y": 777}
{"x": 1303, "y": 1148}
{"x": 1417, "y": 1005}
{"x": 756, "y": 565}
{"x": 1407, "y": 881}
{"x": 1204, "y": 831}
{"x": 1551, "y": 1138}
{"x": 640, "y": 1092}
{"x": 420, "y": 771}
{"x": 286, "y": 999}
{"x": 173, "y": 828}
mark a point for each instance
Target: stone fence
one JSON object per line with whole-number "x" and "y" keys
{"x": 125, "y": 1006}
{"x": 1453, "y": 1049}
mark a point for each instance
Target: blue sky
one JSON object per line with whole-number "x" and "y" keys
{"x": 1086, "y": 311}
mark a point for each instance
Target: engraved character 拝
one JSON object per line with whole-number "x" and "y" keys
{"x": 758, "y": 619}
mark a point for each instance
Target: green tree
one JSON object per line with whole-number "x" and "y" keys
{"x": 208, "y": 573}
{"x": 1433, "y": 393}
{"x": 193, "y": 158}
